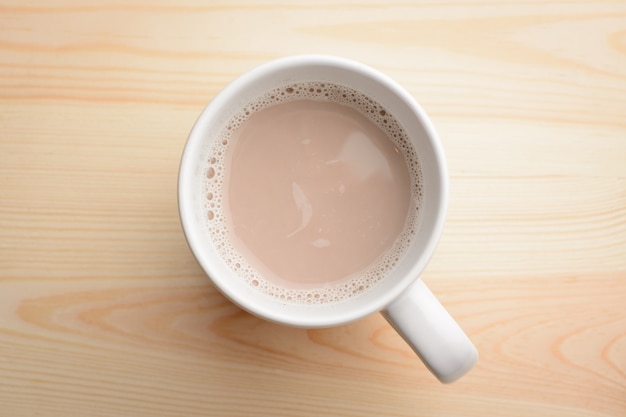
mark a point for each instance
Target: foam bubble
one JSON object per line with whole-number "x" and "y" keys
{"x": 214, "y": 180}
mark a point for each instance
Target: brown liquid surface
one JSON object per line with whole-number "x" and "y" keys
{"x": 314, "y": 193}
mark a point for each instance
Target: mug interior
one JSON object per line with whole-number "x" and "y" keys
{"x": 320, "y": 69}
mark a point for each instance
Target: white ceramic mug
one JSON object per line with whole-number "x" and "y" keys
{"x": 401, "y": 296}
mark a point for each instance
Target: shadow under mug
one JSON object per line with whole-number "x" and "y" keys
{"x": 402, "y": 298}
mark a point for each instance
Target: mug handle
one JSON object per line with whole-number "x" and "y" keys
{"x": 431, "y": 331}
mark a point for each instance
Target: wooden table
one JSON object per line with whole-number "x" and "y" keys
{"x": 104, "y": 312}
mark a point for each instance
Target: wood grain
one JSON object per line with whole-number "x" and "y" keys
{"x": 103, "y": 310}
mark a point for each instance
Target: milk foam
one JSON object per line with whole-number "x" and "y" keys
{"x": 214, "y": 181}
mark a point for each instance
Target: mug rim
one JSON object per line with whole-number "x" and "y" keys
{"x": 185, "y": 190}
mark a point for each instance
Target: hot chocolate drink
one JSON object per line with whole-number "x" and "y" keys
{"x": 312, "y": 192}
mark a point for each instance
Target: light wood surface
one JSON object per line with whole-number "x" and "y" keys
{"x": 104, "y": 312}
